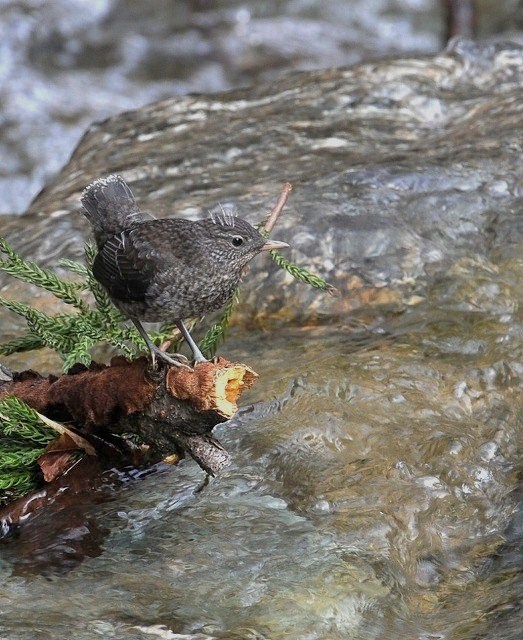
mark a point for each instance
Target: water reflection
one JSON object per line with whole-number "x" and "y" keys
{"x": 368, "y": 496}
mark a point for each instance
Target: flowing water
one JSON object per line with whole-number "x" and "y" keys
{"x": 376, "y": 471}
{"x": 371, "y": 496}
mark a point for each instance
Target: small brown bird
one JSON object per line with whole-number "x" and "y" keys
{"x": 158, "y": 270}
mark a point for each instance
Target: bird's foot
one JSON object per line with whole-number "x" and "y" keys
{"x": 213, "y": 360}
{"x": 202, "y": 360}
{"x": 173, "y": 359}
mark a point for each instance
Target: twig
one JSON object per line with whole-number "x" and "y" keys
{"x": 300, "y": 273}
{"x": 276, "y": 212}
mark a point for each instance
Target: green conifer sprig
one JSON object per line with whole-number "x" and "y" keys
{"x": 29, "y": 342}
{"x": 53, "y": 331}
{"x": 71, "y": 334}
{"x": 23, "y": 438}
{"x": 19, "y": 421}
{"x": 13, "y": 457}
{"x": 302, "y": 274}
{"x": 30, "y": 272}
{"x": 124, "y": 338}
{"x": 216, "y": 333}
{"x": 80, "y": 352}
{"x": 75, "y": 267}
{"x": 14, "y": 483}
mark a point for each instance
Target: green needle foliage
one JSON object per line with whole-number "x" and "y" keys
{"x": 71, "y": 333}
{"x": 23, "y": 438}
{"x": 30, "y": 272}
{"x": 25, "y": 343}
{"x": 216, "y": 333}
{"x": 302, "y": 274}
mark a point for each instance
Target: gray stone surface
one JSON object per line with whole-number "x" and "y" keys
{"x": 400, "y": 168}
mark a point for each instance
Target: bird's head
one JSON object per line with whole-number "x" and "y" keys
{"x": 234, "y": 241}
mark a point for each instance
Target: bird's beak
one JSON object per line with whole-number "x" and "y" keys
{"x": 274, "y": 244}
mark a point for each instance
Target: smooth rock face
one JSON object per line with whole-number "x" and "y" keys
{"x": 65, "y": 64}
{"x": 400, "y": 168}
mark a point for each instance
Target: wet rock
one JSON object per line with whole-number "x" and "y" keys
{"x": 375, "y": 471}
{"x": 402, "y": 169}
{"x": 65, "y": 64}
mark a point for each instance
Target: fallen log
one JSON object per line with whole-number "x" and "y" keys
{"x": 172, "y": 411}
{"x": 130, "y": 414}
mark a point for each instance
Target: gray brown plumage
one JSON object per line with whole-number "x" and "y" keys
{"x": 169, "y": 269}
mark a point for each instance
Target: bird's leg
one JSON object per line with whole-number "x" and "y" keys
{"x": 198, "y": 355}
{"x": 156, "y": 352}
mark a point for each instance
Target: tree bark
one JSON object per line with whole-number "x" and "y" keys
{"x": 169, "y": 412}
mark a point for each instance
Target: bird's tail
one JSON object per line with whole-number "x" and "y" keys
{"x": 110, "y": 207}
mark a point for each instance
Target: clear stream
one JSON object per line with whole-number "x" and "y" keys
{"x": 371, "y": 496}
{"x": 375, "y": 489}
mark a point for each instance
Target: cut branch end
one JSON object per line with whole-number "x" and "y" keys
{"x": 211, "y": 386}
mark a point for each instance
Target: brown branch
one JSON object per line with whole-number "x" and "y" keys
{"x": 170, "y": 411}
{"x": 277, "y": 210}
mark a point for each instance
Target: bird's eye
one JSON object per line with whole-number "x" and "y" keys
{"x": 237, "y": 241}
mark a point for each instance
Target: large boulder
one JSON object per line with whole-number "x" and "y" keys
{"x": 401, "y": 169}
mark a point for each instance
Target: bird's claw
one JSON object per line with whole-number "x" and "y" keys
{"x": 198, "y": 361}
{"x": 174, "y": 360}
{"x": 213, "y": 360}
{"x": 180, "y": 357}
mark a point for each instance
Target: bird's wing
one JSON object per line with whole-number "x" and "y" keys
{"x": 154, "y": 251}
{"x": 119, "y": 267}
